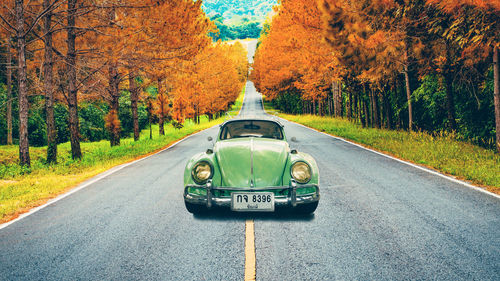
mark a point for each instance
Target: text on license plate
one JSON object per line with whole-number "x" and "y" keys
{"x": 252, "y": 201}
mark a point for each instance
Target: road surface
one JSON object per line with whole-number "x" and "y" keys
{"x": 378, "y": 219}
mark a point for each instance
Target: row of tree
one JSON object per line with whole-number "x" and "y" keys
{"x": 72, "y": 51}
{"x": 419, "y": 64}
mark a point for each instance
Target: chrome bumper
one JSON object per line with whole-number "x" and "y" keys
{"x": 290, "y": 200}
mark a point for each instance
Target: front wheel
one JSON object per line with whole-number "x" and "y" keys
{"x": 306, "y": 209}
{"x": 195, "y": 208}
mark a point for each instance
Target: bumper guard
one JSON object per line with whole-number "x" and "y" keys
{"x": 292, "y": 199}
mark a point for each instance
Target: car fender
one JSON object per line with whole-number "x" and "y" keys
{"x": 301, "y": 156}
{"x": 203, "y": 156}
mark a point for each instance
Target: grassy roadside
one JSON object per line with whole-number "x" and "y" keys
{"x": 443, "y": 153}
{"x": 22, "y": 189}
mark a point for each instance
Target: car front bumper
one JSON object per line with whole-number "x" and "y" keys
{"x": 291, "y": 199}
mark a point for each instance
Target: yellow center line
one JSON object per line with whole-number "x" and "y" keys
{"x": 249, "y": 251}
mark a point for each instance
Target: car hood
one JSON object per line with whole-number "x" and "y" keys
{"x": 252, "y": 161}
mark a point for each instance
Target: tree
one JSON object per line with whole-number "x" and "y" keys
{"x": 24, "y": 156}
{"x": 48, "y": 79}
{"x": 210, "y": 82}
{"x": 292, "y": 58}
{"x": 9, "y": 67}
{"x": 476, "y": 24}
{"x": 72, "y": 96}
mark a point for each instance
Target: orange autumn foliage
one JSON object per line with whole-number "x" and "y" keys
{"x": 209, "y": 83}
{"x": 294, "y": 56}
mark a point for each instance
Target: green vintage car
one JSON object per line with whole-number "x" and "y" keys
{"x": 251, "y": 168}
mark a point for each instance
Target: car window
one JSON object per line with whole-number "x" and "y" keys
{"x": 251, "y": 128}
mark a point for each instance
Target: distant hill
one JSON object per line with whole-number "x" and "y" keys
{"x": 234, "y": 11}
{"x": 238, "y": 19}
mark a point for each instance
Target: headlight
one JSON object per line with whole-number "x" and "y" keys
{"x": 301, "y": 172}
{"x": 201, "y": 172}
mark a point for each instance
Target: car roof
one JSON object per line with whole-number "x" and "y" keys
{"x": 267, "y": 119}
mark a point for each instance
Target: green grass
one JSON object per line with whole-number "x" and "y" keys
{"x": 23, "y": 188}
{"x": 441, "y": 152}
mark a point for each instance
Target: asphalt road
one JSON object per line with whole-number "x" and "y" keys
{"x": 377, "y": 219}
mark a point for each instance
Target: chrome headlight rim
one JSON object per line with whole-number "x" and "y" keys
{"x": 308, "y": 168}
{"x": 196, "y": 179}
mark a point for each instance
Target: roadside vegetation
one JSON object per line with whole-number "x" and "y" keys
{"x": 22, "y": 188}
{"x": 440, "y": 151}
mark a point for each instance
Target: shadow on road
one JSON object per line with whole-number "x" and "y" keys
{"x": 279, "y": 215}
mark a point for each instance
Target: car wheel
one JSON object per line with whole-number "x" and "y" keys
{"x": 307, "y": 208}
{"x": 195, "y": 208}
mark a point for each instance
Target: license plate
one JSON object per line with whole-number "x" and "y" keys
{"x": 252, "y": 201}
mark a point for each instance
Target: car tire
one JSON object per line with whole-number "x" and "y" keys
{"x": 306, "y": 209}
{"x": 195, "y": 208}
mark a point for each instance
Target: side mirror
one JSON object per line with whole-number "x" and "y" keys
{"x": 294, "y": 139}
{"x": 209, "y": 138}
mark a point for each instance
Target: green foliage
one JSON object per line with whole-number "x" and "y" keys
{"x": 474, "y": 109}
{"x": 61, "y": 116}
{"x": 254, "y": 10}
{"x": 37, "y": 132}
{"x": 430, "y": 105}
{"x": 289, "y": 102}
{"x": 3, "y": 115}
{"x": 125, "y": 115}
{"x": 92, "y": 125}
{"x": 475, "y": 113}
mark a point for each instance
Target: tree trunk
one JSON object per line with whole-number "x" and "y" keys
{"x": 496, "y": 94}
{"x": 358, "y": 107}
{"x": 134, "y": 97}
{"x": 329, "y": 100}
{"x": 408, "y": 97}
{"x": 336, "y": 99}
{"x": 365, "y": 111}
{"x": 349, "y": 107}
{"x": 340, "y": 100}
{"x": 24, "y": 154}
{"x": 370, "y": 96}
{"x": 388, "y": 113}
{"x": 450, "y": 104}
{"x": 375, "y": 110}
{"x": 48, "y": 83}
{"x": 162, "y": 115}
{"x": 150, "y": 117}
{"x": 9, "y": 93}
{"x": 74, "y": 127}
{"x": 448, "y": 80}
{"x": 114, "y": 92}
{"x": 115, "y": 127}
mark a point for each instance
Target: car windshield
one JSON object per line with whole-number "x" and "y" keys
{"x": 251, "y": 128}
